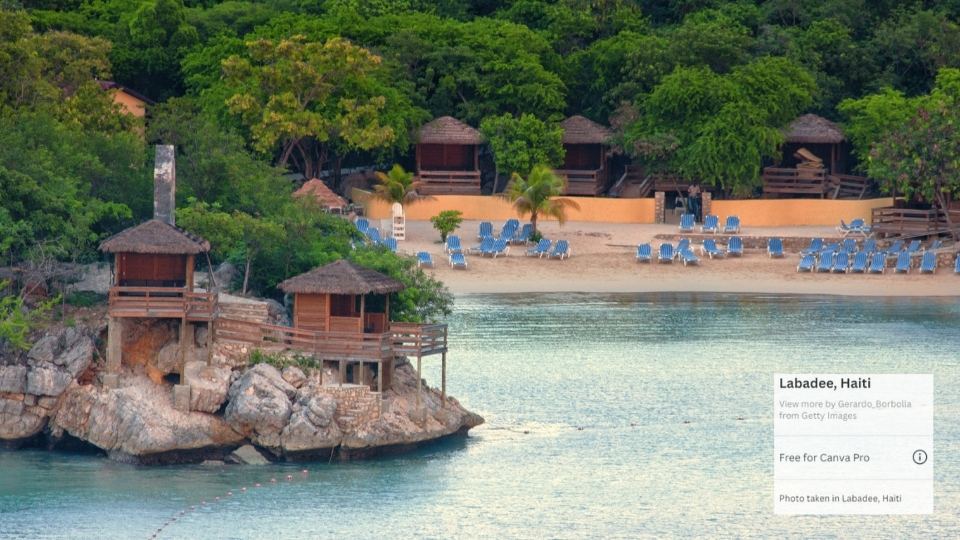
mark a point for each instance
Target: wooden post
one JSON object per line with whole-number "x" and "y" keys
{"x": 343, "y": 371}
{"x": 189, "y": 274}
{"x": 386, "y": 322}
{"x": 363, "y": 322}
{"x": 184, "y": 344}
{"x": 419, "y": 382}
{"x": 114, "y": 344}
{"x": 380, "y": 387}
{"x": 359, "y": 376}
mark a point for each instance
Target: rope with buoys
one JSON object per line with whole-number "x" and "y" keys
{"x": 229, "y": 494}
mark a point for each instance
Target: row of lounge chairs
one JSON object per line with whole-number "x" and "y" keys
{"x": 373, "y": 236}
{"x": 495, "y": 247}
{"x": 711, "y": 224}
{"x": 850, "y": 246}
{"x": 866, "y": 263}
{"x": 683, "y": 251}
{"x": 511, "y": 231}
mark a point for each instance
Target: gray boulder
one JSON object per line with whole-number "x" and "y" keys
{"x": 312, "y": 424}
{"x": 208, "y": 386}
{"x": 294, "y": 376}
{"x": 260, "y": 405}
{"x": 13, "y": 379}
{"x": 247, "y": 455}
{"x": 48, "y": 381}
{"x": 168, "y": 358}
{"x": 18, "y": 420}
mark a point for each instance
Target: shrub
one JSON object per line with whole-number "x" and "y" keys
{"x": 446, "y": 222}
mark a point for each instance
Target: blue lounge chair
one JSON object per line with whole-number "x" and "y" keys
{"x": 510, "y": 228}
{"x": 457, "y": 260}
{"x": 644, "y": 253}
{"x": 860, "y": 261}
{"x": 859, "y": 226}
{"x": 485, "y": 245}
{"x": 486, "y": 229}
{"x": 688, "y": 257}
{"x": 914, "y": 248}
{"x": 870, "y": 245}
{"x": 775, "y": 247}
{"x": 711, "y": 249}
{"x": 903, "y": 262}
{"x": 453, "y": 244}
{"x": 561, "y": 250}
{"x": 934, "y": 245}
{"x": 391, "y": 244}
{"x": 956, "y": 265}
{"x": 687, "y": 222}
{"x": 816, "y": 244}
{"x": 683, "y": 244}
{"x": 665, "y": 255}
{"x": 524, "y": 235}
{"x": 542, "y": 248}
{"x": 500, "y": 247}
{"x": 825, "y": 264}
{"x": 732, "y": 226}
{"x": 832, "y": 247}
{"x": 849, "y": 245}
{"x": 895, "y": 248}
{"x": 843, "y": 228}
{"x": 806, "y": 263}
{"x": 735, "y": 246}
{"x": 928, "y": 264}
{"x": 711, "y": 223}
{"x": 878, "y": 264}
{"x": 841, "y": 263}
{"x": 424, "y": 259}
{"x": 362, "y": 224}
{"x": 373, "y": 234}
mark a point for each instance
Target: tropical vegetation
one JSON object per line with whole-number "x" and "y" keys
{"x": 539, "y": 194}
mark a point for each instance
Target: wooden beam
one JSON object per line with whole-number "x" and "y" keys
{"x": 189, "y": 272}
{"x": 363, "y": 308}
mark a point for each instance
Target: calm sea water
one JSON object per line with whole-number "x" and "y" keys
{"x": 607, "y": 416}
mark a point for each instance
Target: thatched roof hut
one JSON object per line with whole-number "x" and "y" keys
{"x": 324, "y": 196}
{"x": 341, "y": 277}
{"x": 448, "y": 130}
{"x": 581, "y": 130}
{"x": 813, "y": 129}
{"x": 157, "y": 238}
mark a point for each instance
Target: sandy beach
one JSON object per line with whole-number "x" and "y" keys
{"x": 603, "y": 260}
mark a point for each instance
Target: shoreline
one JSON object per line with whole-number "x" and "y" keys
{"x": 603, "y": 262}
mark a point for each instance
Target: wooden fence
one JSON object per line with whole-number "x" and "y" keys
{"x": 161, "y": 302}
{"x": 449, "y": 182}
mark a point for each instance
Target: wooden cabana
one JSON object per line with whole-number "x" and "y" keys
{"x": 818, "y": 136}
{"x": 585, "y": 144}
{"x": 448, "y": 157}
{"x": 153, "y": 272}
{"x": 342, "y": 297}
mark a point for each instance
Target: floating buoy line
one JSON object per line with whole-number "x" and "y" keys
{"x": 242, "y": 490}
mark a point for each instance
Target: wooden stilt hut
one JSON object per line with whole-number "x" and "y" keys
{"x": 586, "y": 147}
{"x": 448, "y": 157}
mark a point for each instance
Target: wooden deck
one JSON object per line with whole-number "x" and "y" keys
{"x": 779, "y": 181}
{"x": 449, "y": 182}
{"x": 905, "y": 222}
{"x": 161, "y": 303}
{"x": 583, "y": 182}
{"x": 403, "y": 339}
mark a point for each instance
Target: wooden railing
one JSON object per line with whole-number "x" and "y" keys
{"x": 403, "y": 339}
{"x": 449, "y": 182}
{"x": 848, "y": 186}
{"x": 161, "y": 302}
{"x": 327, "y": 345}
{"x": 795, "y": 181}
{"x": 908, "y": 222}
{"x": 411, "y": 339}
{"x": 582, "y": 182}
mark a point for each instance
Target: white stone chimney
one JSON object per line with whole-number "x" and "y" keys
{"x": 165, "y": 184}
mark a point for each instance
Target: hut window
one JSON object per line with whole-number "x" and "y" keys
{"x": 344, "y": 305}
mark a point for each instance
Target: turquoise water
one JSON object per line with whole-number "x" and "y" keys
{"x": 607, "y": 416}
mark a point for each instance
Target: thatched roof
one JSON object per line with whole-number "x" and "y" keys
{"x": 323, "y": 194}
{"x": 341, "y": 277}
{"x": 813, "y": 129}
{"x": 155, "y": 237}
{"x": 448, "y": 130}
{"x": 580, "y": 130}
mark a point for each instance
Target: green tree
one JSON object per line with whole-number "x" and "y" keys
{"x": 396, "y": 186}
{"x": 539, "y": 194}
{"x": 446, "y": 222}
{"x": 17, "y": 319}
{"x": 871, "y": 118}
{"x": 307, "y": 100}
{"x": 520, "y": 142}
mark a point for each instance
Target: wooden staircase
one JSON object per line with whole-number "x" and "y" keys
{"x": 633, "y": 184}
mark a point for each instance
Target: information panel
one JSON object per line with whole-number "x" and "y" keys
{"x": 853, "y": 444}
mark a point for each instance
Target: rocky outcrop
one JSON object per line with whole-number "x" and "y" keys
{"x": 208, "y": 386}
{"x": 247, "y": 455}
{"x": 312, "y": 426}
{"x": 294, "y": 376}
{"x": 260, "y": 406}
{"x": 31, "y": 386}
{"x": 138, "y": 422}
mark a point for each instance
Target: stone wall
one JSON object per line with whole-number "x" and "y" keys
{"x": 356, "y": 405}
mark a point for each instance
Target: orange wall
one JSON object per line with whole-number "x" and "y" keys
{"x": 132, "y": 105}
{"x": 788, "y": 212}
{"x": 485, "y": 207}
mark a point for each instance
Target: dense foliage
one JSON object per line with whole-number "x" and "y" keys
{"x": 250, "y": 90}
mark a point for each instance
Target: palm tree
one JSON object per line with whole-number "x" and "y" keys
{"x": 539, "y": 193}
{"x": 396, "y": 186}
